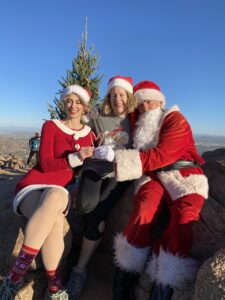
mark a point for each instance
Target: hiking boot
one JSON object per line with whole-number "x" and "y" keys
{"x": 59, "y": 295}
{"x": 76, "y": 283}
{"x": 9, "y": 290}
{"x": 161, "y": 293}
{"x": 124, "y": 284}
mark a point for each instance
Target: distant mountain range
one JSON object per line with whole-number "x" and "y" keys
{"x": 19, "y": 134}
{"x": 14, "y": 129}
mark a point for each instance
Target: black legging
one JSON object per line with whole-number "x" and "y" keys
{"x": 96, "y": 198}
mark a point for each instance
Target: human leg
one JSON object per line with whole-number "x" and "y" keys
{"x": 93, "y": 232}
{"x": 50, "y": 236}
{"x": 133, "y": 245}
{"x": 51, "y": 255}
{"x": 13, "y": 281}
{"x": 36, "y": 232}
{"x": 31, "y": 154}
{"x": 170, "y": 267}
{"x": 36, "y": 157}
{"x": 95, "y": 226}
{"x": 43, "y": 215}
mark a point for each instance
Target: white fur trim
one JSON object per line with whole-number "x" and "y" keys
{"x": 169, "y": 111}
{"x": 148, "y": 128}
{"x": 28, "y": 189}
{"x": 150, "y": 94}
{"x": 120, "y": 82}
{"x": 127, "y": 256}
{"x": 74, "y": 160}
{"x": 76, "y": 89}
{"x": 128, "y": 165}
{"x": 139, "y": 182}
{"x": 173, "y": 270}
{"x": 77, "y": 133}
{"x": 146, "y": 135}
{"x": 152, "y": 267}
{"x": 178, "y": 185}
{"x": 166, "y": 113}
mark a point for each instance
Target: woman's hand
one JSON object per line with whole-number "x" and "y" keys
{"x": 86, "y": 152}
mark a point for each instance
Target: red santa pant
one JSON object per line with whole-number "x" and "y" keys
{"x": 148, "y": 203}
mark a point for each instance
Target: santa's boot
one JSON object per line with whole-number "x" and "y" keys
{"x": 124, "y": 285}
{"x": 161, "y": 293}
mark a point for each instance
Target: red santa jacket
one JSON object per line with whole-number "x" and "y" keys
{"x": 57, "y": 141}
{"x": 172, "y": 141}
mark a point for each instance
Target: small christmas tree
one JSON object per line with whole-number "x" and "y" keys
{"x": 84, "y": 66}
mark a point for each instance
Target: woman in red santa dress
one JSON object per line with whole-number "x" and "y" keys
{"x": 41, "y": 195}
{"x": 167, "y": 166}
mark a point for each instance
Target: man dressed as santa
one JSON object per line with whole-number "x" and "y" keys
{"x": 167, "y": 166}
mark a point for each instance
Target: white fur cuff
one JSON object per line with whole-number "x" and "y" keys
{"x": 129, "y": 257}
{"x": 128, "y": 165}
{"x": 74, "y": 160}
{"x": 173, "y": 270}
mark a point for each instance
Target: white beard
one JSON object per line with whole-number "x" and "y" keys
{"x": 147, "y": 131}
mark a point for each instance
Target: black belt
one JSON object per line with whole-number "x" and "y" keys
{"x": 179, "y": 164}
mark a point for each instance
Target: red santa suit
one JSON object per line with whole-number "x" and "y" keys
{"x": 160, "y": 143}
{"x": 55, "y": 165}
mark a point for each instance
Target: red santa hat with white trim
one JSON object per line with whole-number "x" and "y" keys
{"x": 148, "y": 90}
{"x": 121, "y": 81}
{"x": 84, "y": 94}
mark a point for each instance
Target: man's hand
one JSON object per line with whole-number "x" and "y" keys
{"x": 104, "y": 152}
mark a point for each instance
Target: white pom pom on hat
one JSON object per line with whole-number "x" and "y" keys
{"x": 148, "y": 90}
{"x": 84, "y": 94}
{"x": 121, "y": 81}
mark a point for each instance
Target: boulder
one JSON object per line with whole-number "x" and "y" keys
{"x": 11, "y": 162}
{"x": 210, "y": 282}
{"x": 214, "y": 169}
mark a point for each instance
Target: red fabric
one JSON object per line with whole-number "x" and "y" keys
{"x": 53, "y": 167}
{"x": 175, "y": 143}
{"x": 178, "y": 236}
{"x": 146, "y": 85}
{"x": 29, "y": 250}
{"x": 22, "y": 264}
{"x": 54, "y": 281}
{"x": 148, "y": 205}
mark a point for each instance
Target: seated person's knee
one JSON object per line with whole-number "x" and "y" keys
{"x": 94, "y": 231}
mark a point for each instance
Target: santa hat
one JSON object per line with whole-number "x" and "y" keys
{"x": 124, "y": 82}
{"x": 84, "y": 94}
{"x": 148, "y": 90}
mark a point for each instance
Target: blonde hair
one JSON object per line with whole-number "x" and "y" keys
{"x": 107, "y": 107}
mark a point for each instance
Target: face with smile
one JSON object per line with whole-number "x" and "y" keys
{"x": 118, "y": 101}
{"x": 73, "y": 106}
{"x": 148, "y": 105}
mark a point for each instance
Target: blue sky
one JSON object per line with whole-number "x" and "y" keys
{"x": 179, "y": 44}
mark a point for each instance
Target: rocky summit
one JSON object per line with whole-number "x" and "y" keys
{"x": 208, "y": 247}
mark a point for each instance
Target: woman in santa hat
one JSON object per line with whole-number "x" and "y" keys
{"x": 41, "y": 195}
{"x": 99, "y": 191}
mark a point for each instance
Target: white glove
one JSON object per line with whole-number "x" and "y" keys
{"x": 104, "y": 152}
